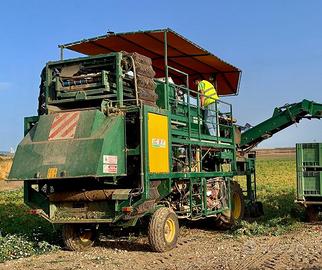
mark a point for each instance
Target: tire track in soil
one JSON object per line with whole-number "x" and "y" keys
{"x": 268, "y": 257}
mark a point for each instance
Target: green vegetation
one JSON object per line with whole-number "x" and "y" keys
{"x": 22, "y": 234}
{"x": 276, "y": 182}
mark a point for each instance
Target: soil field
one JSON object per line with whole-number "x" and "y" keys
{"x": 275, "y": 152}
{"x": 197, "y": 249}
{"x": 278, "y": 240}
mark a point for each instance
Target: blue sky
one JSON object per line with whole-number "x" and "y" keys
{"x": 277, "y": 44}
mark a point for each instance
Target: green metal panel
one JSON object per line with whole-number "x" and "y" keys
{"x": 96, "y": 136}
{"x": 161, "y": 92}
{"x": 29, "y": 122}
{"x": 35, "y": 199}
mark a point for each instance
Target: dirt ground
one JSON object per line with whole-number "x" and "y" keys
{"x": 197, "y": 249}
{"x": 6, "y": 185}
{"x": 275, "y": 153}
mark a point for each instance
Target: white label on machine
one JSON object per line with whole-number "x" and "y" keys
{"x": 158, "y": 143}
{"x": 107, "y": 168}
{"x": 109, "y": 159}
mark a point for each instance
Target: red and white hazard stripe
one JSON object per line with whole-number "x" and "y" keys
{"x": 64, "y": 126}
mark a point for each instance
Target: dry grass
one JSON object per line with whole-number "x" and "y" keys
{"x": 5, "y": 165}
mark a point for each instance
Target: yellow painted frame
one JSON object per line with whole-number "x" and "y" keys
{"x": 158, "y": 143}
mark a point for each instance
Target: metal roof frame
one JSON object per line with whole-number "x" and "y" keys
{"x": 172, "y": 55}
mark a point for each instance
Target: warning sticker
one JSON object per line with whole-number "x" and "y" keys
{"x": 158, "y": 143}
{"x": 109, "y": 164}
{"x": 64, "y": 126}
{"x": 52, "y": 173}
{"x": 107, "y": 168}
{"x": 109, "y": 159}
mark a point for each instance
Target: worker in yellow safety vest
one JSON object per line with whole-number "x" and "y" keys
{"x": 208, "y": 102}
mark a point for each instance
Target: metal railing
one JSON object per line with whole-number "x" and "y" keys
{"x": 185, "y": 102}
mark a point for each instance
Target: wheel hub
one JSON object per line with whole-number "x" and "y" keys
{"x": 86, "y": 235}
{"x": 236, "y": 206}
{"x": 169, "y": 230}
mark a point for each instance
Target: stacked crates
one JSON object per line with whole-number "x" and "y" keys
{"x": 309, "y": 171}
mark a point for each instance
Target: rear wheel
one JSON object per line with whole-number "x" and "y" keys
{"x": 234, "y": 215}
{"x": 163, "y": 230}
{"x": 78, "y": 237}
{"x": 311, "y": 213}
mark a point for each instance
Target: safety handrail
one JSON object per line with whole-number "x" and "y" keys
{"x": 187, "y": 94}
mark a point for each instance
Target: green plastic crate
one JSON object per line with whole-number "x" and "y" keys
{"x": 309, "y": 155}
{"x": 309, "y": 183}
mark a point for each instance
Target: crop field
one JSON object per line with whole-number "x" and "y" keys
{"x": 24, "y": 235}
{"x": 276, "y": 182}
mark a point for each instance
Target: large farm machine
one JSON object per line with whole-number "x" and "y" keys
{"x": 120, "y": 137}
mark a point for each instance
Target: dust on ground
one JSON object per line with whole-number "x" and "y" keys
{"x": 196, "y": 249}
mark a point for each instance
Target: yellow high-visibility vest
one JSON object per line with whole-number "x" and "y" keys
{"x": 209, "y": 91}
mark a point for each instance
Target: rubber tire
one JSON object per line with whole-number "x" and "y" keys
{"x": 156, "y": 232}
{"x": 226, "y": 220}
{"x": 311, "y": 214}
{"x": 72, "y": 239}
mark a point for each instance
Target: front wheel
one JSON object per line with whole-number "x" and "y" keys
{"x": 163, "y": 230}
{"x": 78, "y": 237}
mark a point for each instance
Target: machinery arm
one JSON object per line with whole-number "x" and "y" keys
{"x": 282, "y": 118}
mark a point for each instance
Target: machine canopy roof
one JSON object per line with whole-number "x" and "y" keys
{"x": 182, "y": 54}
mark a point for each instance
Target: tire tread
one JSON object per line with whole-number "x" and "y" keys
{"x": 156, "y": 230}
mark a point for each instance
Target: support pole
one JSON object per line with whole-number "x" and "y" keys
{"x": 61, "y": 52}
{"x": 119, "y": 79}
{"x": 166, "y": 69}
